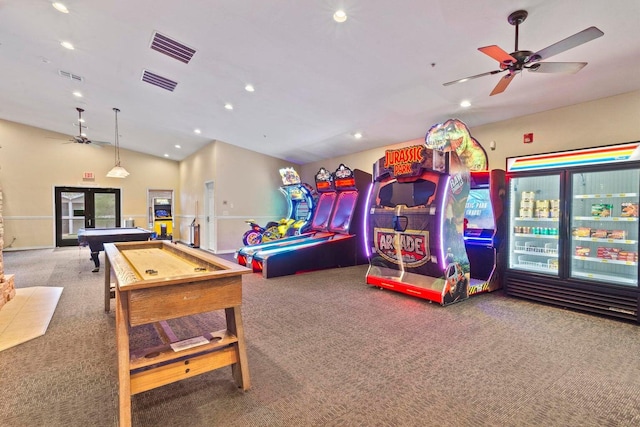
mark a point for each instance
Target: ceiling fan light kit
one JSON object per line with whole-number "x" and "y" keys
{"x": 518, "y": 60}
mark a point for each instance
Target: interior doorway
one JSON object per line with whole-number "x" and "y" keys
{"x": 81, "y": 207}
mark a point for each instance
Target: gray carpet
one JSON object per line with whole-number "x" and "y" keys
{"x": 325, "y": 349}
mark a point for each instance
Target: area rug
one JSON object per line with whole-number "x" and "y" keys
{"x": 27, "y": 316}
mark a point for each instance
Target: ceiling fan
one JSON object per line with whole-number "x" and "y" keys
{"x": 514, "y": 62}
{"x": 81, "y": 138}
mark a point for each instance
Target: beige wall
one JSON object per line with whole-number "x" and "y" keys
{"x": 246, "y": 186}
{"x": 34, "y": 161}
{"x": 606, "y": 121}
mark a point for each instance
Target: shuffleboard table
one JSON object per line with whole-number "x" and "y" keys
{"x": 95, "y": 238}
{"x": 157, "y": 281}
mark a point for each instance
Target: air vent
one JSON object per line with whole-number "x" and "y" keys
{"x": 156, "y": 80}
{"x": 172, "y": 48}
{"x": 70, "y": 76}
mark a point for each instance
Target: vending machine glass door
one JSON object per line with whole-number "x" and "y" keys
{"x": 604, "y": 226}
{"x": 534, "y": 221}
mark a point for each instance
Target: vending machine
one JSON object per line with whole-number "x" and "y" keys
{"x": 573, "y": 229}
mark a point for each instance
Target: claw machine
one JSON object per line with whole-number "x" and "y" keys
{"x": 573, "y": 229}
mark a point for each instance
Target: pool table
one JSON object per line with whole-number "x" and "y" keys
{"x": 95, "y": 238}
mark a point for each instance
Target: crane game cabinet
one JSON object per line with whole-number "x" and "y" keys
{"x": 416, "y": 220}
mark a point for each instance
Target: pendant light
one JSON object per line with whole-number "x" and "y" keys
{"x": 117, "y": 171}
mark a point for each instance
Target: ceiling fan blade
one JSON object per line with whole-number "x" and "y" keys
{"x": 566, "y": 44}
{"x": 557, "y": 67}
{"x": 502, "y": 84}
{"x": 498, "y": 54}
{"x": 473, "y": 77}
{"x": 100, "y": 143}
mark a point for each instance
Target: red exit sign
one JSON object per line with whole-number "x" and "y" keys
{"x": 88, "y": 175}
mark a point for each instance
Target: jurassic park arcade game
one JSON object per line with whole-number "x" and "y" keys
{"x": 415, "y": 225}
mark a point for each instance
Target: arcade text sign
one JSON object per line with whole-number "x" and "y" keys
{"x": 404, "y": 161}
{"x": 410, "y": 248}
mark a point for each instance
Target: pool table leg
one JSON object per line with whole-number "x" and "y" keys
{"x": 95, "y": 256}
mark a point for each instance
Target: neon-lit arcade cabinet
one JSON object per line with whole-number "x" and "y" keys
{"x": 319, "y": 224}
{"x": 418, "y": 238}
{"x": 414, "y": 244}
{"x": 484, "y": 230}
{"x": 339, "y": 245}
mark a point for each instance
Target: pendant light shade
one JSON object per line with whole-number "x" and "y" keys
{"x": 117, "y": 171}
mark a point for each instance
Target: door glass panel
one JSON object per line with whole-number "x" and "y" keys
{"x": 534, "y": 224}
{"x": 73, "y": 211}
{"x": 105, "y": 210}
{"x": 604, "y": 226}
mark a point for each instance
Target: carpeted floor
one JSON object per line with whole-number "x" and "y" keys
{"x": 325, "y": 349}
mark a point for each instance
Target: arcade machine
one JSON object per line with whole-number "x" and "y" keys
{"x": 162, "y": 218}
{"x": 340, "y": 246}
{"x": 300, "y": 202}
{"x": 319, "y": 222}
{"x": 416, "y": 221}
{"x": 484, "y": 230}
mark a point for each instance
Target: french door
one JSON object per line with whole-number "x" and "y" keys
{"x": 81, "y": 207}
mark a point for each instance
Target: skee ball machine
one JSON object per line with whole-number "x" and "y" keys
{"x": 321, "y": 215}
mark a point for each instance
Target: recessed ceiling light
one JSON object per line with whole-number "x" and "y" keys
{"x": 465, "y": 103}
{"x": 177, "y": 146}
{"x": 67, "y": 45}
{"x": 340, "y": 16}
{"x": 357, "y": 135}
{"x": 60, "y": 7}
{"x": 166, "y": 155}
{"x": 198, "y": 131}
{"x": 228, "y": 106}
{"x": 77, "y": 94}
{"x": 249, "y": 88}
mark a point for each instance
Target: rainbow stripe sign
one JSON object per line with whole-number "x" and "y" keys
{"x": 566, "y": 159}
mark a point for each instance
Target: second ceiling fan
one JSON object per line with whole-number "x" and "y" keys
{"x": 514, "y": 62}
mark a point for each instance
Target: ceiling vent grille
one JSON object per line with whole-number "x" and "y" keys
{"x": 172, "y": 48}
{"x": 156, "y": 80}
{"x": 70, "y": 76}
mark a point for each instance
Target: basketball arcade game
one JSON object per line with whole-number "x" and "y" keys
{"x": 340, "y": 246}
{"x": 319, "y": 221}
{"x": 416, "y": 221}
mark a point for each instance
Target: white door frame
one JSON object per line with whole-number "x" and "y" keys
{"x": 209, "y": 217}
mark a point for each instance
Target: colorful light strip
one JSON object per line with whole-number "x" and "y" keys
{"x": 365, "y": 222}
{"x": 441, "y": 212}
{"x": 590, "y": 156}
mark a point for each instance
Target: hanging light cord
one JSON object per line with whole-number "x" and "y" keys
{"x": 117, "y": 141}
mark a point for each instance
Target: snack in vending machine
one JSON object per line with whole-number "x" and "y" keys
{"x": 581, "y": 232}
{"x": 616, "y": 234}
{"x": 601, "y": 209}
{"x": 582, "y": 251}
{"x": 629, "y": 209}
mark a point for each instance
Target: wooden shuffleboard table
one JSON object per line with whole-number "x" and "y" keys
{"x": 156, "y": 281}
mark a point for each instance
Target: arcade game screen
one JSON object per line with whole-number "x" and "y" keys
{"x": 410, "y": 194}
{"x": 479, "y": 214}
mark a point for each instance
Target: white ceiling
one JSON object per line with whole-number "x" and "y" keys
{"x": 317, "y": 81}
